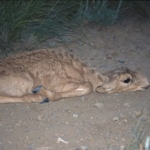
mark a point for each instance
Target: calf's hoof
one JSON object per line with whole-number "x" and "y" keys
{"x": 46, "y": 100}
{"x": 37, "y": 89}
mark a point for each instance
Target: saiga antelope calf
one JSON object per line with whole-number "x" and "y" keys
{"x": 43, "y": 75}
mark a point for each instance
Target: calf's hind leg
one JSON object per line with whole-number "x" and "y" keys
{"x": 24, "y": 99}
{"x": 69, "y": 90}
{"x": 17, "y": 87}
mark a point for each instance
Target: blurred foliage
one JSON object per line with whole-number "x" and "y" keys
{"x": 45, "y": 19}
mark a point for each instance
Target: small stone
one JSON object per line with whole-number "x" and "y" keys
{"x": 9, "y": 142}
{"x": 122, "y": 147}
{"x": 137, "y": 113}
{"x": 84, "y": 147}
{"x": 103, "y": 66}
{"x": 40, "y": 117}
{"x": 75, "y": 115}
{"x": 119, "y": 122}
{"x": 127, "y": 105}
{"x": 83, "y": 98}
{"x": 77, "y": 149}
{"x": 145, "y": 111}
{"x": 121, "y": 115}
{"x": 143, "y": 118}
{"x": 66, "y": 123}
{"x": 30, "y": 146}
{"x": 114, "y": 54}
{"x": 133, "y": 115}
{"x": 125, "y": 120}
{"x": 109, "y": 57}
{"x": 121, "y": 61}
{"x": 123, "y": 139}
{"x": 17, "y": 124}
{"x": 115, "y": 118}
{"x": 43, "y": 148}
{"x": 99, "y": 105}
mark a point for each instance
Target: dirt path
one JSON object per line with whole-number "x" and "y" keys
{"x": 96, "y": 121}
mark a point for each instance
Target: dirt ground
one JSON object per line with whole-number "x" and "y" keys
{"x": 92, "y": 122}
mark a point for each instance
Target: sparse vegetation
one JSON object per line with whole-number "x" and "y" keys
{"x": 48, "y": 19}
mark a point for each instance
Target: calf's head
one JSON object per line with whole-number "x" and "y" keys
{"x": 123, "y": 79}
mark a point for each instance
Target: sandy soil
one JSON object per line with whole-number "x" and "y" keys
{"x": 96, "y": 121}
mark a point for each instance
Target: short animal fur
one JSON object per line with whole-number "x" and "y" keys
{"x": 43, "y": 75}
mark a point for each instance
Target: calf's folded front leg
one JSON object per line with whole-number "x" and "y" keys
{"x": 78, "y": 90}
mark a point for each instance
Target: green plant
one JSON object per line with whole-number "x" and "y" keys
{"x": 17, "y": 15}
{"x": 43, "y": 19}
{"x": 99, "y": 11}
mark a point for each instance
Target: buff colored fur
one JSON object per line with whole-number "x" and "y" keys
{"x": 56, "y": 75}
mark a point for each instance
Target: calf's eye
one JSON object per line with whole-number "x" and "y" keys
{"x": 127, "y": 80}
